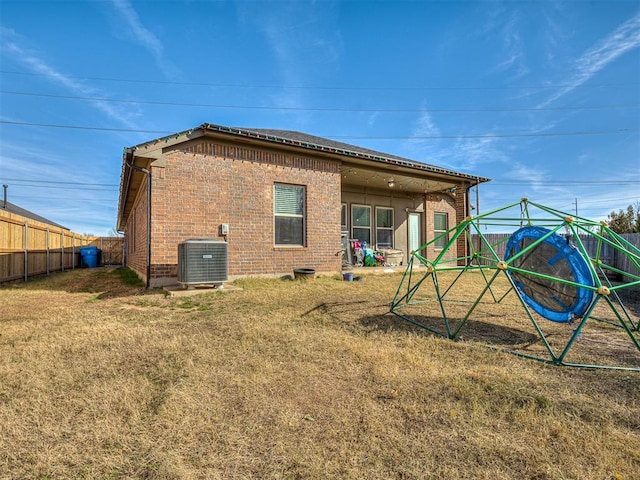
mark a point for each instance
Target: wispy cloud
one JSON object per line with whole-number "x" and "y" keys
{"x": 295, "y": 42}
{"x": 464, "y": 154}
{"x": 515, "y": 60}
{"x": 625, "y": 38}
{"x": 12, "y": 46}
{"x": 506, "y": 24}
{"x": 471, "y": 154}
{"x": 520, "y": 172}
{"x": 144, "y": 36}
{"x": 425, "y": 126}
{"x": 371, "y": 119}
{"x": 298, "y": 38}
{"x": 426, "y": 150}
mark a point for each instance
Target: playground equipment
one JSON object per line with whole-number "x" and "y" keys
{"x": 554, "y": 266}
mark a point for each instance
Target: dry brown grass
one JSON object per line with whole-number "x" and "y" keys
{"x": 288, "y": 380}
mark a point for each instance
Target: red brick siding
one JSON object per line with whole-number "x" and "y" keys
{"x": 136, "y": 234}
{"x": 439, "y": 203}
{"x": 461, "y": 214}
{"x": 195, "y": 193}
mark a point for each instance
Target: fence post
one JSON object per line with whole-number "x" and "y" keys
{"x": 62, "y": 249}
{"x": 73, "y": 251}
{"x": 26, "y": 250}
{"x": 47, "y": 246}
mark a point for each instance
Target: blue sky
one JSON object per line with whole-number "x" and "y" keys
{"x": 542, "y": 97}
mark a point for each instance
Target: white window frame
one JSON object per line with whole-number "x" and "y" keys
{"x": 390, "y": 229}
{"x": 277, "y": 215}
{"x": 440, "y": 244}
{"x": 353, "y": 227}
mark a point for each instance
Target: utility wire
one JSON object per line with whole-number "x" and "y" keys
{"x": 352, "y": 137}
{"x": 58, "y": 197}
{"x": 568, "y": 182}
{"x": 322, "y": 109}
{"x": 490, "y": 135}
{"x": 606, "y": 200}
{"x": 59, "y": 183}
{"x": 68, "y": 187}
{"x": 318, "y": 87}
{"x": 79, "y": 127}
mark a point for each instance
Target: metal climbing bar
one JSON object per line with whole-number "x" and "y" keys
{"x": 555, "y": 276}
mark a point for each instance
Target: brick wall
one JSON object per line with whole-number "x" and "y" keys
{"x": 136, "y": 234}
{"x": 461, "y": 214}
{"x": 210, "y": 184}
{"x": 439, "y": 203}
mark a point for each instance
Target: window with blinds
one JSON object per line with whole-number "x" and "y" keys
{"x": 440, "y": 227}
{"x": 361, "y": 223}
{"x": 384, "y": 227}
{"x": 289, "y": 214}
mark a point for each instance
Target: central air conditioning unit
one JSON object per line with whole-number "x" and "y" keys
{"x": 202, "y": 262}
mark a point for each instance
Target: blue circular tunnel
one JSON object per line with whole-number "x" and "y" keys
{"x": 537, "y": 271}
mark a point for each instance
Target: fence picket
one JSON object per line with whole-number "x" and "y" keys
{"x": 29, "y": 248}
{"x": 608, "y": 255}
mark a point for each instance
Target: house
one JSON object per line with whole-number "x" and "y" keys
{"x": 285, "y": 197}
{"x": 16, "y": 210}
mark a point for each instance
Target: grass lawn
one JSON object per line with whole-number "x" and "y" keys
{"x": 100, "y": 379}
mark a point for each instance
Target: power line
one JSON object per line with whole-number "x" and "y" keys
{"x": 490, "y": 135}
{"x": 60, "y": 183}
{"x": 68, "y": 187}
{"x": 58, "y": 197}
{"x": 323, "y": 109}
{"x": 80, "y": 127}
{"x": 567, "y": 182}
{"x": 319, "y": 87}
{"x": 608, "y": 200}
{"x": 353, "y": 137}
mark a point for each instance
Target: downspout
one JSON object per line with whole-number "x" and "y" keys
{"x": 477, "y": 208}
{"x": 477, "y": 195}
{"x": 148, "y": 174}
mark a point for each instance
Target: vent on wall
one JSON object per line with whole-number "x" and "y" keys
{"x": 202, "y": 262}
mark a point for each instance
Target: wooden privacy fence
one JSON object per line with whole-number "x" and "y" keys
{"x": 608, "y": 254}
{"x": 29, "y": 248}
{"x": 111, "y": 248}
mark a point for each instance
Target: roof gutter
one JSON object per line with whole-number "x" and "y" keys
{"x": 397, "y": 161}
{"x": 127, "y": 160}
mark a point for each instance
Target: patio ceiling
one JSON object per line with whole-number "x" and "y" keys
{"x": 396, "y": 180}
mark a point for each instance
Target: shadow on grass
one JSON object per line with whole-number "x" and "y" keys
{"x": 477, "y": 331}
{"x": 630, "y": 297}
{"x": 374, "y": 316}
{"x": 609, "y": 347}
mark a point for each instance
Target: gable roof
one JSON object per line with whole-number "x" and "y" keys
{"x": 15, "y": 209}
{"x": 312, "y": 142}
{"x": 137, "y": 158}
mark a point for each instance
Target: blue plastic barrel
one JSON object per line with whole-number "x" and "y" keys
{"x": 89, "y": 256}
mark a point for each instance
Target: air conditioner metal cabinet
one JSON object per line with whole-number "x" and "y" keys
{"x": 202, "y": 262}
